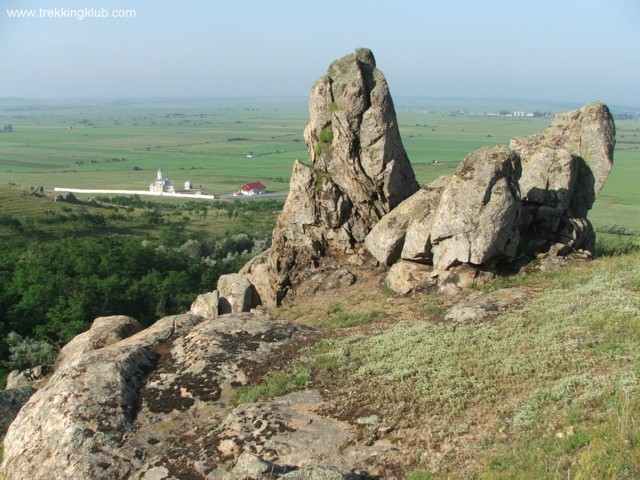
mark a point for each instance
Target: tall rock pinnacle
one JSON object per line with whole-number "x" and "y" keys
{"x": 357, "y": 172}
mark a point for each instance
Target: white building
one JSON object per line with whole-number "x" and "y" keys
{"x": 250, "y": 189}
{"x": 161, "y": 185}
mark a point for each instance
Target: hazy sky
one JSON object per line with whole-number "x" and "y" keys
{"x": 561, "y": 50}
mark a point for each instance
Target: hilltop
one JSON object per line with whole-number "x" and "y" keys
{"x": 459, "y": 329}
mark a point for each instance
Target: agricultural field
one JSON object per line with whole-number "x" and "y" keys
{"x": 220, "y": 144}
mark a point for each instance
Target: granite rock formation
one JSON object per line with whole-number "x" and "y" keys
{"x": 358, "y": 171}
{"x": 563, "y": 170}
{"x": 116, "y": 411}
{"x": 539, "y": 189}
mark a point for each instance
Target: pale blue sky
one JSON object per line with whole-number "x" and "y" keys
{"x": 560, "y": 50}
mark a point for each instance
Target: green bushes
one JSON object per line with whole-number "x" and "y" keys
{"x": 27, "y": 352}
{"x": 53, "y": 290}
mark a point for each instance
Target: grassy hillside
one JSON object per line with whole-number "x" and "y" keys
{"x": 546, "y": 390}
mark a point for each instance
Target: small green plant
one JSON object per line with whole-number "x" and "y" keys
{"x": 326, "y": 134}
{"x": 275, "y": 384}
{"x": 324, "y": 139}
{"x": 333, "y": 107}
{"x": 322, "y": 177}
{"x": 419, "y": 474}
{"x": 347, "y": 320}
{"x": 433, "y": 310}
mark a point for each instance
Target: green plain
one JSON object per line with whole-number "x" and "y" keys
{"x": 220, "y": 144}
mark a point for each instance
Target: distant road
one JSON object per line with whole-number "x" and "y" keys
{"x": 177, "y": 195}
{"x": 252, "y": 197}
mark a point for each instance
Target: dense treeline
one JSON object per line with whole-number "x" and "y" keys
{"x": 53, "y": 290}
{"x": 63, "y": 266}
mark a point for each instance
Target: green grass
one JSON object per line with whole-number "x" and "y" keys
{"x": 556, "y": 380}
{"x": 347, "y": 319}
{"x": 274, "y": 385}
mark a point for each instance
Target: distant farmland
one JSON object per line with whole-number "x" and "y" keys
{"x": 221, "y": 144}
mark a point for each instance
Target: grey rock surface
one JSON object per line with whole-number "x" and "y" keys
{"x": 142, "y": 407}
{"x": 358, "y": 171}
{"x": 103, "y": 332}
{"x": 11, "y": 401}
{"x": 386, "y": 239}
{"x": 206, "y": 305}
{"x": 477, "y": 217}
{"x": 75, "y": 426}
{"x": 588, "y": 134}
{"x": 236, "y": 294}
{"x": 405, "y": 277}
{"x": 563, "y": 170}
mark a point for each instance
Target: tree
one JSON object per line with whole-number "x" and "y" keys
{"x": 8, "y": 128}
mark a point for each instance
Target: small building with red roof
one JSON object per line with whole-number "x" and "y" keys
{"x": 249, "y": 189}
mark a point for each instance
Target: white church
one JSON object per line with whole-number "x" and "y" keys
{"x": 161, "y": 184}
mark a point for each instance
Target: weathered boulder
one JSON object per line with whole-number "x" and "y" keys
{"x": 417, "y": 242}
{"x": 588, "y": 134}
{"x": 236, "y": 294}
{"x": 289, "y": 430}
{"x": 74, "y": 427}
{"x": 471, "y": 217}
{"x": 405, "y": 232}
{"x": 206, "y": 305}
{"x": 477, "y": 217}
{"x": 386, "y": 240}
{"x": 115, "y": 411}
{"x": 358, "y": 171}
{"x": 104, "y": 331}
{"x": 460, "y": 278}
{"x": 563, "y": 169}
{"x": 11, "y": 401}
{"x": 71, "y": 427}
{"x": 406, "y": 276}
{"x": 31, "y": 377}
{"x": 263, "y": 277}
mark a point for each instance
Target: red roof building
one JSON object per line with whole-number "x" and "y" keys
{"x": 255, "y": 188}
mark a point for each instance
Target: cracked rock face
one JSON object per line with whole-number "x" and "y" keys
{"x": 563, "y": 170}
{"x": 531, "y": 196}
{"x": 107, "y": 411}
{"x": 358, "y": 171}
{"x": 477, "y": 218}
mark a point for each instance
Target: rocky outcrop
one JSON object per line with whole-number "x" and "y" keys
{"x": 236, "y": 294}
{"x": 358, "y": 171}
{"x": 539, "y": 189}
{"x": 290, "y": 431}
{"x": 109, "y": 411}
{"x": 103, "y": 332}
{"x": 76, "y": 425}
{"x": 563, "y": 169}
{"x": 206, "y": 305}
{"x": 417, "y": 242}
{"x": 477, "y": 217}
{"x": 386, "y": 241}
{"x": 469, "y": 218}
